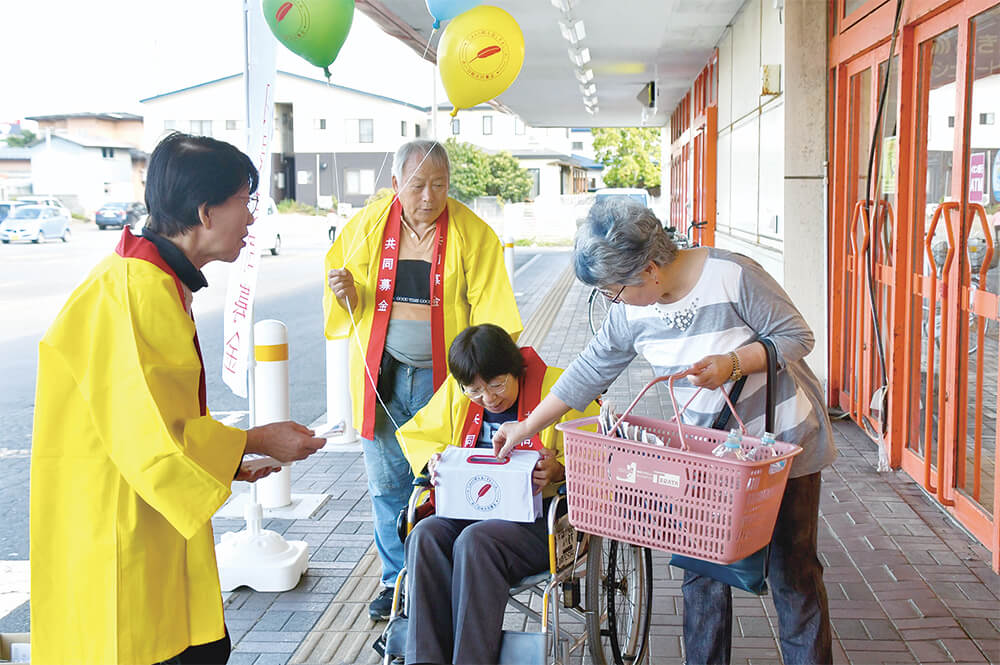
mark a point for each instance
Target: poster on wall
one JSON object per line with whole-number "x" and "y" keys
{"x": 889, "y": 165}
{"x": 977, "y": 178}
{"x": 996, "y": 177}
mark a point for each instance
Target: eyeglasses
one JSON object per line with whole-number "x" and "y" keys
{"x": 493, "y": 388}
{"x": 252, "y": 202}
{"x": 612, "y": 298}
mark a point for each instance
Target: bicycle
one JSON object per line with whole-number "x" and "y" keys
{"x": 598, "y": 305}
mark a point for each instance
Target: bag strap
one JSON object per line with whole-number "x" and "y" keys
{"x": 772, "y": 383}
{"x": 722, "y": 420}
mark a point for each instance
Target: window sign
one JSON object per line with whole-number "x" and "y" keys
{"x": 890, "y": 165}
{"x": 977, "y": 177}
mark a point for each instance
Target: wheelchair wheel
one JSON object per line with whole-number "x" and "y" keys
{"x": 619, "y": 601}
{"x": 597, "y": 310}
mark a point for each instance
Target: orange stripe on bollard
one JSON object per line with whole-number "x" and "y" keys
{"x": 270, "y": 352}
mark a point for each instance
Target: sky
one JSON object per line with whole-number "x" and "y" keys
{"x": 67, "y": 56}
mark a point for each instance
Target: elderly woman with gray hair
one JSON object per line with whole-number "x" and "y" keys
{"x": 702, "y": 311}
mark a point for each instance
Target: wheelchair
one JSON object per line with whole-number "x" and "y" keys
{"x": 611, "y": 612}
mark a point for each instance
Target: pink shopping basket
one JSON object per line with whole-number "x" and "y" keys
{"x": 680, "y": 497}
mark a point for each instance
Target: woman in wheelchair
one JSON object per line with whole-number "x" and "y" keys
{"x": 459, "y": 571}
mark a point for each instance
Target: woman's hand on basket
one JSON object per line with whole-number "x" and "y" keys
{"x": 711, "y": 371}
{"x": 548, "y": 470}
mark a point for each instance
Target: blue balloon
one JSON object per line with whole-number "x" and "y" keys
{"x": 442, "y": 10}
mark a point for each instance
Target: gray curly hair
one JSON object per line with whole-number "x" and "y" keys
{"x": 433, "y": 150}
{"x": 618, "y": 238}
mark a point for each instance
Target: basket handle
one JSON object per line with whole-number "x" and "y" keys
{"x": 673, "y": 400}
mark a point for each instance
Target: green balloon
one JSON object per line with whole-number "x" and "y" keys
{"x": 313, "y": 29}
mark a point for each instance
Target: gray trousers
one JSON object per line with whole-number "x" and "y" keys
{"x": 459, "y": 573}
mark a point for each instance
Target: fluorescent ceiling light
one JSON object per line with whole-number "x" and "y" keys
{"x": 573, "y": 32}
{"x": 564, "y": 5}
{"x": 579, "y": 57}
{"x": 588, "y": 90}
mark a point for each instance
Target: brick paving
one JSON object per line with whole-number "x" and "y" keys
{"x": 906, "y": 583}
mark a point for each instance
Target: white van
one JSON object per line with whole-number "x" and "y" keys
{"x": 640, "y": 195}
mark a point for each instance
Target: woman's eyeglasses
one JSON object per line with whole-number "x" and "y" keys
{"x": 612, "y": 298}
{"x": 495, "y": 388}
{"x": 252, "y": 202}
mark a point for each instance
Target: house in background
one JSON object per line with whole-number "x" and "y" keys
{"x": 89, "y": 159}
{"x": 329, "y": 140}
{"x": 85, "y": 172}
{"x": 335, "y": 141}
{"x": 15, "y": 172}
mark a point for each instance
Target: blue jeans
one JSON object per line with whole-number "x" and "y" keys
{"x": 795, "y": 576}
{"x": 405, "y": 390}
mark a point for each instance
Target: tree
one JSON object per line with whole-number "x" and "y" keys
{"x": 631, "y": 155}
{"x": 474, "y": 173}
{"x": 508, "y": 181}
{"x": 26, "y": 138}
{"x": 470, "y": 170}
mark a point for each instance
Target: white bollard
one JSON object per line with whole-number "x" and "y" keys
{"x": 339, "y": 413}
{"x": 272, "y": 402}
{"x": 508, "y": 258}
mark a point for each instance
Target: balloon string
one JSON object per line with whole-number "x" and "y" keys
{"x": 429, "y": 38}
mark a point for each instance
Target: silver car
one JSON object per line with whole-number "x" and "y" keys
{"x": 36, "y": 223}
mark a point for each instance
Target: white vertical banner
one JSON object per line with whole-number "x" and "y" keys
{"x": 258, "y": 78}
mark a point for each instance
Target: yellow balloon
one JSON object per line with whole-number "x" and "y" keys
{"x": 480, "y": 54}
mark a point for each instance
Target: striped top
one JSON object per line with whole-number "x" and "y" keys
{"x": 734, "y": 303}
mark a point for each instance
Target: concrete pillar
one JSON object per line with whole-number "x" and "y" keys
{"x": 805, "y": 153}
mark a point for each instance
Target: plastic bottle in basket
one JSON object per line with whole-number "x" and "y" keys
{"x": 766, "y": 450}
{"x": 730, "y": 448}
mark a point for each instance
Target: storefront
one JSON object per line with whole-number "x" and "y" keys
{"x": 913, "y": 219}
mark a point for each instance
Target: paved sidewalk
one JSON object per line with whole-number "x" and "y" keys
{"x": 906, "y": 584}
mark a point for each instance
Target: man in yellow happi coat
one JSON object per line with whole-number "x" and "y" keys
{"x": 127, "y": 465}
{"x": 404, "y": 277}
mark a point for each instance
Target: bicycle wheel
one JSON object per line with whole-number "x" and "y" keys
{"x": 619, "y": 601}
{"x": 597, "y": 310}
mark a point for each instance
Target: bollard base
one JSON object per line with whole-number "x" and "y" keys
{"x": 263, "y": 561}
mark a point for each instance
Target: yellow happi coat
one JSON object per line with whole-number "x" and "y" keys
{"x": 476, "y": 287}
{"x": 439, "y": 424}
{"x": 126, "y": 474}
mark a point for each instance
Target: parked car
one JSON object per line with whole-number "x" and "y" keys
{"x": 7, "y": 207}
{"x": 640, "y": 195}
{"x": 119, "y": 215}
{"x": 36, "y": 223}
{"x": 42, "y": 201}
{"x": 267, "y": 228}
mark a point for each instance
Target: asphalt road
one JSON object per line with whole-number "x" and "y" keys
{"x": 35, "y": 281}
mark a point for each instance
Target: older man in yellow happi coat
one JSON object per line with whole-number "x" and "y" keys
{"x": 127, "y": 465}
{"x": 404, "y": 277}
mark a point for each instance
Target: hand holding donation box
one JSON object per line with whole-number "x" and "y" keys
{"x": 475, "y": 485}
